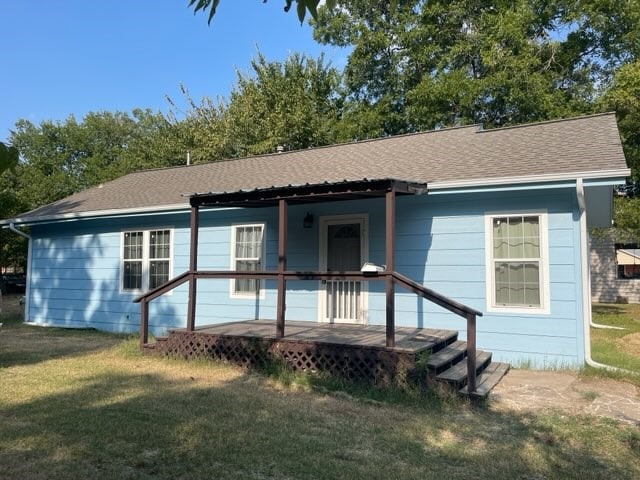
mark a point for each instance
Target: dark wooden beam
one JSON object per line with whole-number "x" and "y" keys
{"x": 471, "y": 353}
{"x": 288, "y": 275}
{"x": 164, "y": 288}
{"x": 282, "y": 266}
{"x": 310, "y": 193}
{"x": 389, "y": 246}
{"x": 193, "y": 267}
{"x": 438, "y": 299}
{"x": 144, "y": 323}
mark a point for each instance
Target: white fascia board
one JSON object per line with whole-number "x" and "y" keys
{"x": 615, "y": 176}
{"x": 116, "y": 212}
{"x": 124, "y": 212}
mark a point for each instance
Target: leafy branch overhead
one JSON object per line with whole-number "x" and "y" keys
{"x": 8, "y": 157}
{"x": 302, "y": 7}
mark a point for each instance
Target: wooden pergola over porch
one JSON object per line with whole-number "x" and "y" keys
{"x": 282, "y": 197}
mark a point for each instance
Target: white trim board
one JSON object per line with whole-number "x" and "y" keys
{"x": 324, "y": 221}
{"x": 526, "y": 179}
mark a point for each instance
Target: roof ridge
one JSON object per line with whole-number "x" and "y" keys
{"x": 320, "y": 147}
{"x": 544, "y": 122}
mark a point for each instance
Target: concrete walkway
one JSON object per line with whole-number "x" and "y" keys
{"x": 528, "y": 390}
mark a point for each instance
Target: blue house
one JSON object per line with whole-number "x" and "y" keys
{"x": 494, "y": 220}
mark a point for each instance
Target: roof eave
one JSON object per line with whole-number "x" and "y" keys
{"x": 447, "y": 185}
{"x": 116, "y": 212}
{"x": 542, "y": 178}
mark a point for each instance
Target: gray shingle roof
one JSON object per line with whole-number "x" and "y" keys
{"x": 582, "y": 146}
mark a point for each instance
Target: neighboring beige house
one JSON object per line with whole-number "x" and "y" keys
{"x": 615, "y": 272}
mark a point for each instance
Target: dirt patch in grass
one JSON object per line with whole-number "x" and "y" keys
{"x": 537, "y": 391}
{"x": 630, "y": 343}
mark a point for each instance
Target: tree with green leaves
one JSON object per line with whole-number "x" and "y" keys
{"x": 8, "y": 157}
{"x": 417, "y": 65}
{"x": 60, "y": 158}
{"x": 623, "y": 97}
{"x": 52, "y": 160}
{"x": 293, "y": 104}
{"x": 12, "y": 249}
{"x": 302, "y": 7}
{"x": 626, "y": 225}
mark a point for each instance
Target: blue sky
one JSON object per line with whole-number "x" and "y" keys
{"x": 62, "y": 57}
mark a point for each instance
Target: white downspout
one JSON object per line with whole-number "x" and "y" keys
{"x": 586, "y": 283}
{"x": 28, "y": 275}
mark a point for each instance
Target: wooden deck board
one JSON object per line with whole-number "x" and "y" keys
{"x": 447, "y": 355}
{"x": 407, "y": 339}
{"x": 488, "y": 379}
{"x": 458, "y": 373}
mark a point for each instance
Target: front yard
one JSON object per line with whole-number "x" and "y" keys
{"x": 81, "y": 404}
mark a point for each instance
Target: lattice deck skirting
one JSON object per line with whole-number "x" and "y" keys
{"x": 374, "y": 365}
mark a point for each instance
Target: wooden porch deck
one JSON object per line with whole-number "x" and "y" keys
{"x": 408, "y": 340}
{"x": 356, "y": 352}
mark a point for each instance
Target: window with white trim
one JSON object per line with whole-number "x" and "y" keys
{"x": 247, "y": 251}
{"x": 517, "y": 261}
{"x": 146, "y": 259}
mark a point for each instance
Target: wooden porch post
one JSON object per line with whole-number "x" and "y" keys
{"x": 193, "y": 267}
{"x": 471, "y": 353}
{"x": 144, "y": 323}
{"x": 390, "y": 236}
{"x": 282, "y": 266}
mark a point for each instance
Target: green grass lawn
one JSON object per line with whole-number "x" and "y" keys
{"x": 81, "y": 404}
{"x": 619, "y": 348}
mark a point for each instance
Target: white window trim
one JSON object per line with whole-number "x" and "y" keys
{"x": 145, "y": 257}
{"x": 232, "y": 265}
{"x": 544, "y": 307}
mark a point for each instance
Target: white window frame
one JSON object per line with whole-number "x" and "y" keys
{"x": 232, "y": 255}
{"x": 543, "y": 229}
{"x": 146, "y": 235}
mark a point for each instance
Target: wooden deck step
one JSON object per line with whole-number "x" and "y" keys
{"x": 488, "y": 379}
{"x": 434, "y": 341}
{"x": 457, "y": 374}
{"x": 445, "y": 358}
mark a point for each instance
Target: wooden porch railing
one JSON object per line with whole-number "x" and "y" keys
{"x": 464, "y": 311}
{"x": 459, "y": 309}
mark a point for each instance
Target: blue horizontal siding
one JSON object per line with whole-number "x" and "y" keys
{"x": 440, "y": 242}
